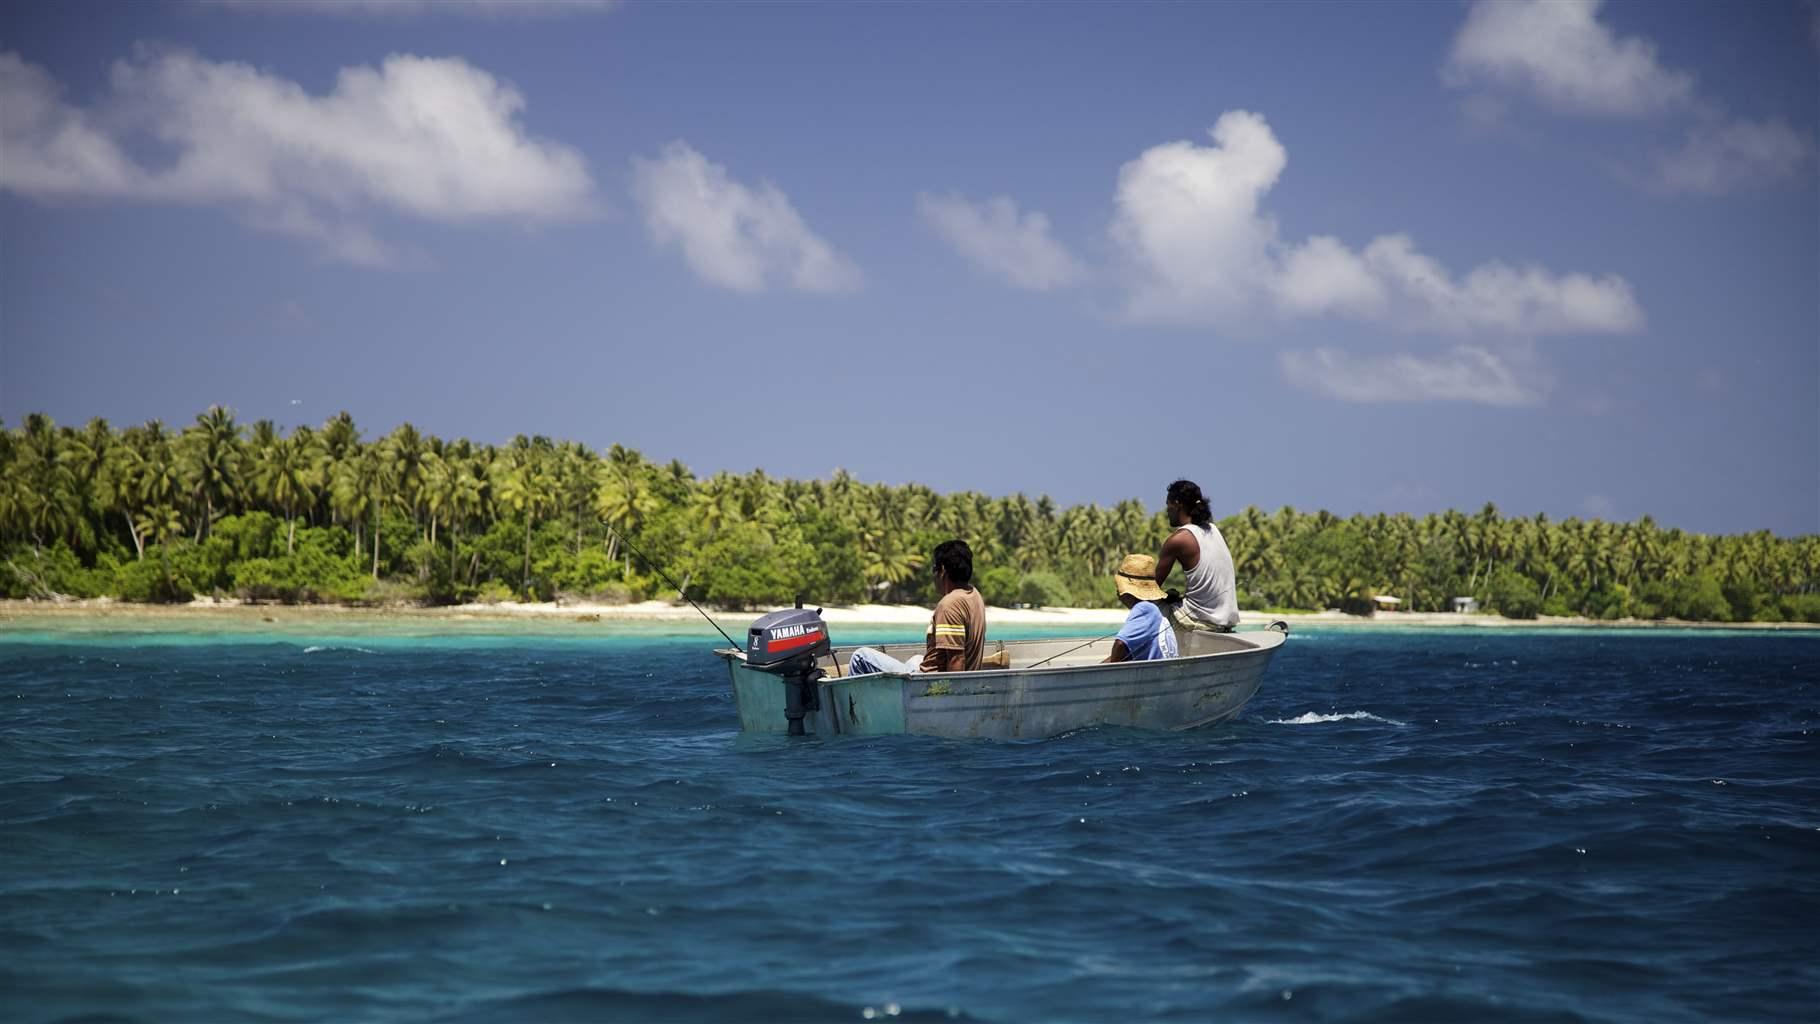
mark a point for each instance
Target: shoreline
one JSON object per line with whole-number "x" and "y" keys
{"x": 208, "y": 609}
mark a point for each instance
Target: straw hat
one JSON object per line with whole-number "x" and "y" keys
{"x": 1137, "y": 577}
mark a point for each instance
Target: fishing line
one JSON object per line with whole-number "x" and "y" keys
{"x": 654, "y": 567}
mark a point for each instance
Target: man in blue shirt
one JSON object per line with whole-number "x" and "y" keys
{"x": 1147, "y": 634}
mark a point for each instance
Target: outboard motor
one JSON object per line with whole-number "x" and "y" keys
{"x": 787, "y": 644}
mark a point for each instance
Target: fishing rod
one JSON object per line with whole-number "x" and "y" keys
{"x": 654, "y": 567}
{"x": 1071, "y": 650}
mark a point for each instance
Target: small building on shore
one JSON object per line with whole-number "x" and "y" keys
{"x": 1385, "y": 603}
{"x": 1465, "y": 605}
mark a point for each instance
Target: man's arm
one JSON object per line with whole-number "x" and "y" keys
{"x": 1133, "y": 627}
{"x": 947, "y": 650}
{"x": 1175, "y": 548}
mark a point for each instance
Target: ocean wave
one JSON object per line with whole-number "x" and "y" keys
{"x": 1310, "y": 718}
{"x": 592, "y": 1004}
{"x": 327, "y": 835}
{"x": 319, "y": 648}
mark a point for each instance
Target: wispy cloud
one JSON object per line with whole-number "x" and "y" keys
{"x": 995, "y": 237}
{"x": 340, "y": 239}
{"x": 498, "y": 9}
{"x": 435, "y": 139}
{"x": 1599, "y": 506}
{"x": 291, "y": 315}
{"x": 1562, "y": 55}
{"x": 1724, "y": 154}
{"x": 1199, "y": 248}
{"x": 739, "y": 237}
{"x": 1463, "y": 374}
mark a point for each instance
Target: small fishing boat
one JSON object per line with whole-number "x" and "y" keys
{"x": 789, "y": 679}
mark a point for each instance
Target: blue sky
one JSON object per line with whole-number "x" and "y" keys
{"x": 1564, "y": 257}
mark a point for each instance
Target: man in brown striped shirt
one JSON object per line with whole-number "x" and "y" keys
{"x": 956, "y": 639}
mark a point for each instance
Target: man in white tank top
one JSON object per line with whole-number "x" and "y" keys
{"x": 1209, "y": 598}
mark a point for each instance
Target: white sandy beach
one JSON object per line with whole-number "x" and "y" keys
{"x": 1087, "y": 619}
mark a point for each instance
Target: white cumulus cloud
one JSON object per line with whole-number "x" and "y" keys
{"x": 1188, "y": 221}
{"x": 1199, "y": 248}
{"x": 1462, "y": 374}
{"x": 995, "y": 237}
{"x": 1560, "y": 52}
{"x": 739, "y": 237}
{"x": 432, "y": 138}
{"x": 49, "y": 148}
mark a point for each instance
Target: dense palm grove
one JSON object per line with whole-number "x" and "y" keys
{"x": 154, "y": 514}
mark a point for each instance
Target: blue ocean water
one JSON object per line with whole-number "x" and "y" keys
{"x": 1403, "y": 825}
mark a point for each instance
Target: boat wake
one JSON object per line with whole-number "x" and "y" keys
{"x": 1310, "y": 718}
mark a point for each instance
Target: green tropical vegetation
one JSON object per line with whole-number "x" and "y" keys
{"x": 153, "y": 514}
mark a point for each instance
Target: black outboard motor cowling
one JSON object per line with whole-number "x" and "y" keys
{"x": 787, "y": 644}
{"x": 781, "y": 637}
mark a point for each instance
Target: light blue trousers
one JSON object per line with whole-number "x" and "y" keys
{"x": 866, "y": 661}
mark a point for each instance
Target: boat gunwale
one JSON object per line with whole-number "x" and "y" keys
{"x": 737, "y": 658}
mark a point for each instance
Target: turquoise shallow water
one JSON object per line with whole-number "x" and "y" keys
{"x": 359, "y": 825}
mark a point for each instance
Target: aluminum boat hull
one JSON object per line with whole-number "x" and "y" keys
{"x": 1052, "y": 686}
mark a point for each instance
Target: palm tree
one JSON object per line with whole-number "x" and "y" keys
{"x": 120, "y": 483}
{"x": 521, "y": 484}
{"x": 338, "y": 442}
{"x": 458, "y": 494}
{"x": 160, "y": 473}
{"x": 87, "y": 453}
{"x": 163, "y": 523}
{"x": 623, "y": 500}
{"x": 349, "y": 495}
{"x": 12, "y": 489}
{"x": 573, "y": 480}
{"x": 104, "y": 468}
{"x": 403, "y": 452}
{"x": 890, "y": 566}
{"x": 211, "y": 463}
{"x": 66, "y": 486}
{"x": 438, "y": 490}
{"x": 286, "y": 476}
{"x": 1303, "y": 590}
{"x": 358, "y": 488}
{"x": 713, "y": 505}
{"x": 49, "y": 499}
{"x": 716, "y": 504}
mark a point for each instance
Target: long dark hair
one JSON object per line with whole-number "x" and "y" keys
{"x": 1187, "y": 494}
